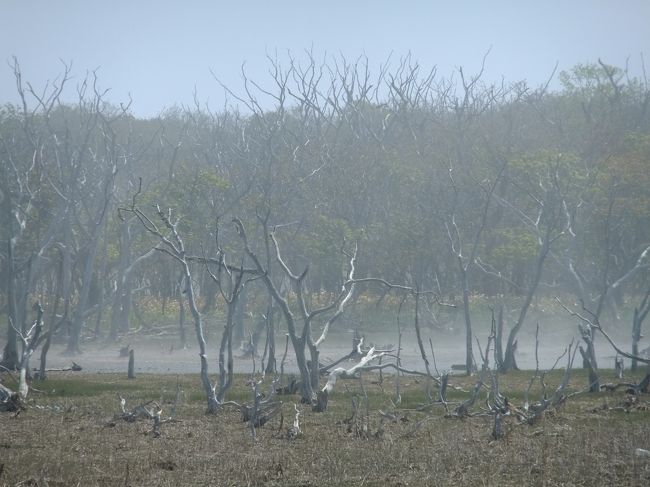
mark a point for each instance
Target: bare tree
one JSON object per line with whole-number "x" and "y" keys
{"x": 301, "y": 339}
{"x": 172, "y": 244}
{"x": 464, "y": 264}
{"x": 550, "y": 220}
{"x": 230, "y": 284}
{"x": 25, "y": 148}
{"x": 640, "y": 314}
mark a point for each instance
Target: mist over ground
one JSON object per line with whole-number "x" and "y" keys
{"x": 331, "y": 190}
{"x": 255, "y": 206}
{"x": 162, "y": 355}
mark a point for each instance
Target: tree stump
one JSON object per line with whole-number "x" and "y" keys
{"x": 131, "y": 370}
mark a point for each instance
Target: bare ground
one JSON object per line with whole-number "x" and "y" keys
{"x": 69, "y": 436}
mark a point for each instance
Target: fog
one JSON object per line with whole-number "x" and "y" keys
{"x": 162, "y": 356}
{"x": 257, "y": 170}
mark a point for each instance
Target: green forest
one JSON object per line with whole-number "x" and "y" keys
{"x": 341, "y": 183}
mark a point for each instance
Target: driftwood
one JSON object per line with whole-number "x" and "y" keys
{"x": 294, "y": 430}
{"x": 499, "y": 407}
{"x": 323, "y": 395}
{"x": 534, "y": 412}
{"x": 31, "y": 340}
{"x": 9, "y": 400}
{"x": 462, "y": 410}
{"x": 260, "y": 413}
{"x": 630, "y": 387}
{"x": 628, "y": 404}
{"x": 262, "y": 410}
{"x": 150, "y": 410}
{"x": 75, "y": 367}
{"x": 356, "y": 352}
{"x": 293, "y": 387}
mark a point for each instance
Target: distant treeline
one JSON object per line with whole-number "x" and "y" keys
{"x": 431, "y": 177}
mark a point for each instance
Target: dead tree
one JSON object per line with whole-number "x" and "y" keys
{"x": 122, "y": 298}
{"x": 417, "y": 295}
{"x": 171, "y": 244}
{"x": 533, "y": 412}
{"x": 640, "y": 314}
{"x": 97, "y": 226}
{"x": 551, "y": 221}
{"x": 465, "y": 263}
{"x": 342, "y": 373}
{"x": 229, "y": 279}
{"x": 590, "y": 320}
{"x": 231, "y": 285}
{"x": 22, "y": 179}
{"x": 262, "y": 408}
{"x": 303, "y": 339}
{"x": 605, "y": 94}
{"x": 57, "y": 186}
{"x": 10, "y": 400}
{"x": 463, "y": 409}
{"x": 611, "y": 279}
{"x": 371, "y": 354}
{"x": 143, "y": 411}
{"x": 131, "y": 367}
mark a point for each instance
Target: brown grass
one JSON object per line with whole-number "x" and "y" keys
{"x": 67, "y": 437}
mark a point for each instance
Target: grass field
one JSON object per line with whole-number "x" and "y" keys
{"x": 68, "y": 435}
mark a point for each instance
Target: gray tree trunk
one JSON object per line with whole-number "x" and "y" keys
{"x": 88, "y": 269}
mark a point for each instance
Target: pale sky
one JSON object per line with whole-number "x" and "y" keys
{"x": 160, "y": 50}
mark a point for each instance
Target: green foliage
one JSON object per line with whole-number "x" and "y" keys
{"x": 386, "y": 170}
{"x": 590, "y": 79}
{"x": 515, "y": 247}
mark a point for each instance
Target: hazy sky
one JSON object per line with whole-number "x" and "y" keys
{"x": 159, "y": 50}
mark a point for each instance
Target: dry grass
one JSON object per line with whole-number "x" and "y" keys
{"x": 66, "y": 438}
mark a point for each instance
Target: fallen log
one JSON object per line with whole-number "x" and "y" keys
{"x": 323, "y": 395}
{"x": 75, "y": 367}
{"x": 142, "y": 411}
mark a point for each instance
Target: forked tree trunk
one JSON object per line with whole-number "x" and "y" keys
{"x": 88, "y": 269}
{"x": 509, "y": 361}
{"x": 213, "y": 404}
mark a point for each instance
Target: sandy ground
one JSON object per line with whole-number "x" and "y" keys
{"x": 160, "y": 356}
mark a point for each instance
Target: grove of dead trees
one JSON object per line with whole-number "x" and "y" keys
{"x": 330, "y": 186}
